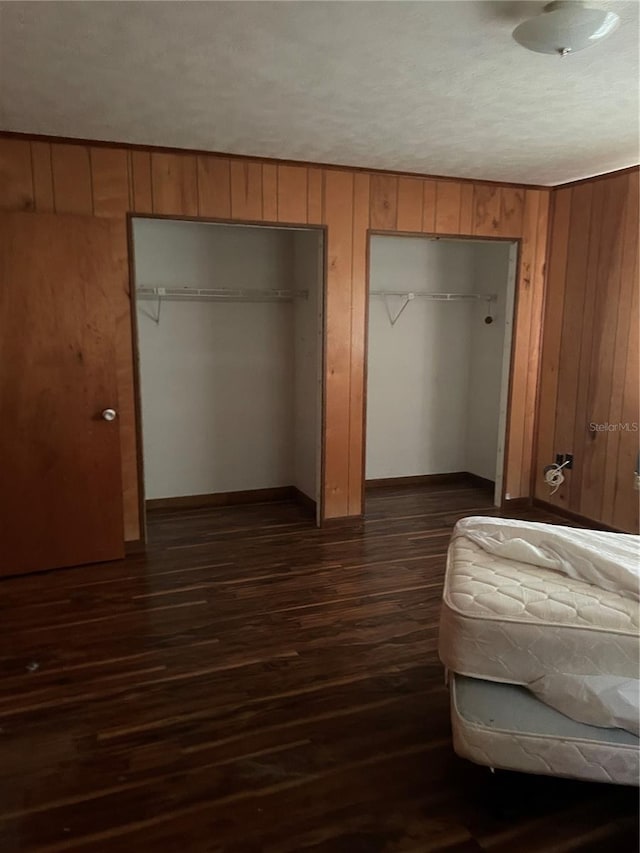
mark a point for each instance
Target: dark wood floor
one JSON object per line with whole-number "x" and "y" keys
{"x": 254, "y": 684}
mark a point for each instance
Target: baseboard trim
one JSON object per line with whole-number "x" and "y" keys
{"x": 575, "y": 516}
{"x": 516, "y": 504}
{"x": 305, "y": 501}
{"x": 452, "y": 478}
{"x": 343, "y": 521}
{"x": 134, "y": 546}
{"x": 249, "y": 496}
{"x": 417, "y": 480}
{"x": 481, "y": 482}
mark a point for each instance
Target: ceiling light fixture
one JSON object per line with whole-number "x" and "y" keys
{"x": 564, "y": 27}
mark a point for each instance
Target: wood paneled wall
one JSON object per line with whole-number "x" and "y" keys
{"x": 590, "y": 350}
{"x": 111, "y": 181}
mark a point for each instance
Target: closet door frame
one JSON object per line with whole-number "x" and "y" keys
{"x": 137, "y": 391}
{"x": 504, "y": 414}
{"x": 516, "y": 244}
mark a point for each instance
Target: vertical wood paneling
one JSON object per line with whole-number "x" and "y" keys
{"x": 246, "y": 190}
{"x": 214, "y": 187}
{"x": 550, "y": 357}
{"x": 624, "y": 350}
{"x": 409, "y": 204}
{"x": 603, "y": 341}
{"x": 486, "y": 210}
{"x": 16, "y": 175}
{"x": 42, "y": 176}
{"x": 292, "y": 194}
{"x": 174, "y": 183}
{"x": 269, "y": 192}
{"x": 572, "y": 317}
{"x": 512, "y": 201}
{"x": 72, "y": 190}
{"x": 338, "y": 196}
{"x": 141, "y": 182}
{"x": 384, "y": 202}
{"x": 314, "y": 197}
{"x": 542, "y": 200}
{"x": 590, "y": 358}
{"x": 358, "y": 342}
{"x": 535, "y": 217}
{"x": 625, "y": 502}
{"x": 130, "y": 178}
{"x": 466, "y": 209}
{"x": 126, "y": 402}
{"x": 447, "y": 207}
{"x": 110, "y": 181}
{"x": 429, "y": 206}
{"x": 582, "y": 435}
{"x": 525, "y": 287}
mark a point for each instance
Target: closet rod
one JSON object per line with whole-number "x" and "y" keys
{"x": 219, "y": 294}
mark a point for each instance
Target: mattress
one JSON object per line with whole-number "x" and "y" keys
{"x": 505, "y": 726}
{"x": 517, "y": 623}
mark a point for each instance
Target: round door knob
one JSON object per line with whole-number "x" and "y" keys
{"x": 109, "y": 414}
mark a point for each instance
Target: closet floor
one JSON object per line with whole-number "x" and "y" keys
{"x": 255, "y": 685}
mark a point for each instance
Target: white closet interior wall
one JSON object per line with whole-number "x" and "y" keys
{"x": 221, "y": 383}
{"x": 434, "y": 378}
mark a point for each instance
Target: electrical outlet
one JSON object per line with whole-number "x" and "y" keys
{"x": 565, "y": 459}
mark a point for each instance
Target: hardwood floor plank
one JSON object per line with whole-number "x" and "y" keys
{"x": 252, "y": 684}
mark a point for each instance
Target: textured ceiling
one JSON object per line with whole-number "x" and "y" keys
{"x": 436, "y": 87}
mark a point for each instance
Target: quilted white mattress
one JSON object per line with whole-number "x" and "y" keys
{"x": 505, "y": 727}
{"x": 512, "y": 622}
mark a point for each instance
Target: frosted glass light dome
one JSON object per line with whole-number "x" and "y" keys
{"x": 564, "y": 27}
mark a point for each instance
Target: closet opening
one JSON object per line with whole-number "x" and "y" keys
{"x": 440, "y": 320}
{"x": 229, "y": 352}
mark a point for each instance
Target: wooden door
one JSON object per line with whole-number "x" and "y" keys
{"x": 60, "y": 477}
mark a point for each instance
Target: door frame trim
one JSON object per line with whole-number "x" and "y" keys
{"x": 516, "y": 242}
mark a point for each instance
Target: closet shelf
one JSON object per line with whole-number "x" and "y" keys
{"x": 219, "y": 294}
{"x": 438, "y": 297}
{"x": 409, "y": 295}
